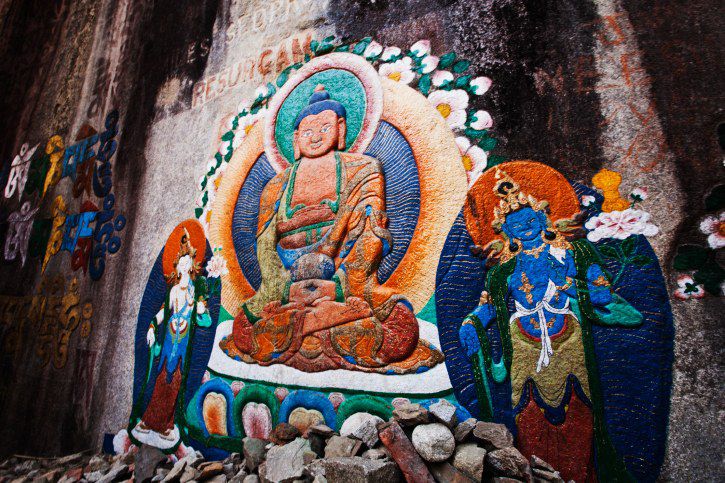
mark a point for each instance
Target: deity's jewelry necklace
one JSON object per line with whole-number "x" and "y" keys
{"x": 536, "y": 251}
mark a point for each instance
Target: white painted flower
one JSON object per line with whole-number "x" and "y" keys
{"x": 211, "y": 164}
{"x": 474, "y": 158}
{"x": 429, "y": 63}
{"x": 714, "y": 226}
{"x": 588, "y": 200}
{"x": 638, "y": 194}
{"x": 372, "y": 50}
{"x": 440, "y": 77}
{"x": 225, "y": 147}
{"x": 451, "y": 105}
{"x": 483, "y": 120}
{"x": 480, "y": 85}
{"x": 400, "y": 71}
{"x": 216, "y": 266}
{"x": 620, "y": 225}
{"x": 244, "y": 105}
{"x": 687, "y": 288}
{"x": 389, "y": 53}
{"x": 420, "y": 48}
{"x": 245, "y": 125}
{"x": 261, "y": 91}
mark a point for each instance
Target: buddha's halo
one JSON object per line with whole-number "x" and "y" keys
{"x": 349, "y": 79}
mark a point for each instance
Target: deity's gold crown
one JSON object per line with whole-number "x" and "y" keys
{"x": 512, "y": 199}
{"x": 185, "y": 246}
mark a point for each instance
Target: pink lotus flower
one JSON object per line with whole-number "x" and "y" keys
{"x": 687, "y": 288}
{"x": 336, "y": 398}
{"x": 715, "y": 227}
{"x": 620, "y": 225}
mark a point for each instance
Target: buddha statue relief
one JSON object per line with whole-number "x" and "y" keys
{"x": 322, "y": 233}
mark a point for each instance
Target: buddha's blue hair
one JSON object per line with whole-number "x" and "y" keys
{"x": 320, "y": 101}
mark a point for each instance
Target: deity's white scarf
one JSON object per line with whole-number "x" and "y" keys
{"x": 521, "y": 311}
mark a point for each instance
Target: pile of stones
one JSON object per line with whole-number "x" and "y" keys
{"x": 415, "y": 445}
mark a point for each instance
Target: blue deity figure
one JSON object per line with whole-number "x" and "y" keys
{"x": 544, "y": 293}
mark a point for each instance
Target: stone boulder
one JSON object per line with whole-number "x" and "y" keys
{"x": 434, "y": 442}
{"x": 357, "y": 469}
{"x": 493, "y": 436}
{"x": 411, "y": 414}
{"x": 444, "y": 412}
{"x": 470, "y": 459}
{"x": 285, "y": 464}
{"x": 362, "y": 426}
{"x": 509, "y": 462}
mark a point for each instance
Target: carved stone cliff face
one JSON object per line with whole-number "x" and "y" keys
{"x": 146, "y": 100}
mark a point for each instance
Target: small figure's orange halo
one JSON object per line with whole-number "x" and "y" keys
{"x": 536, "y": 179}
{"x": 173, "y": 243}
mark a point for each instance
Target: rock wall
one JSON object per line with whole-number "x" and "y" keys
{"x": 125, "y": 123}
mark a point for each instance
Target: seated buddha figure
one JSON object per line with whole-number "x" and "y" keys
{"x": 322, "y": 233}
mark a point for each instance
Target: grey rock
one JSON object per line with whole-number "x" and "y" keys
{"x": 315, "y": 468}
{"x": 362, "y": 426}
{"x": 118, "y": 472}
{"x": 98, "y": 463}
{"x": 321, "y": 429}
{"x": 464, "y": 429}
{"x": 537, "y": 462}
{"x": 377, "y": 454}
{"x": 286, "y": 463}
{"x": 319, "y": 479}
{"x": 509, "y": 462}
{"x": 147, "y": 459}
{"x": 357, "y": 469}
{"x": 233, "y": 458}
{"x": 411, "y": 414}
{"x": 444, "y": 411}
{"x": 493, "y": 436}
{"x": 434, "y": 442}
{"x": 342, "y": 446}
{"x": 175, "y": 474}
{"x": 216, "y": 479}
{"x": 251, "y": 479}
{"x": 470, "y": 459}
{"x": 545, "y": 475}
{"x": 189, "y": 474}
{"x": 94, "y": 476}
{"x": 448, "y": 473}
{"x": 254, "y": 452}
{"x": 68, "y": 460}
{"x": 239, "y": 477}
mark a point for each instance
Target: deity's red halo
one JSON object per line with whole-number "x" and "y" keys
{"x": 173, "y": 243}
{"x": 536, "y": 179}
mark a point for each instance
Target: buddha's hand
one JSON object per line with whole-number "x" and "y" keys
{"x": 469, "y": 338}
{"x": 600, "y": 292}
{"x": 150, "y": 337}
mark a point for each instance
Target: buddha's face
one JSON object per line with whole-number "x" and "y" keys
{"x": 524, "y": 224}
{"x": 318, "y": 134}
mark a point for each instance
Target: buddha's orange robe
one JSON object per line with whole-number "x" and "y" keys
{"x": 320, "y": 305}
